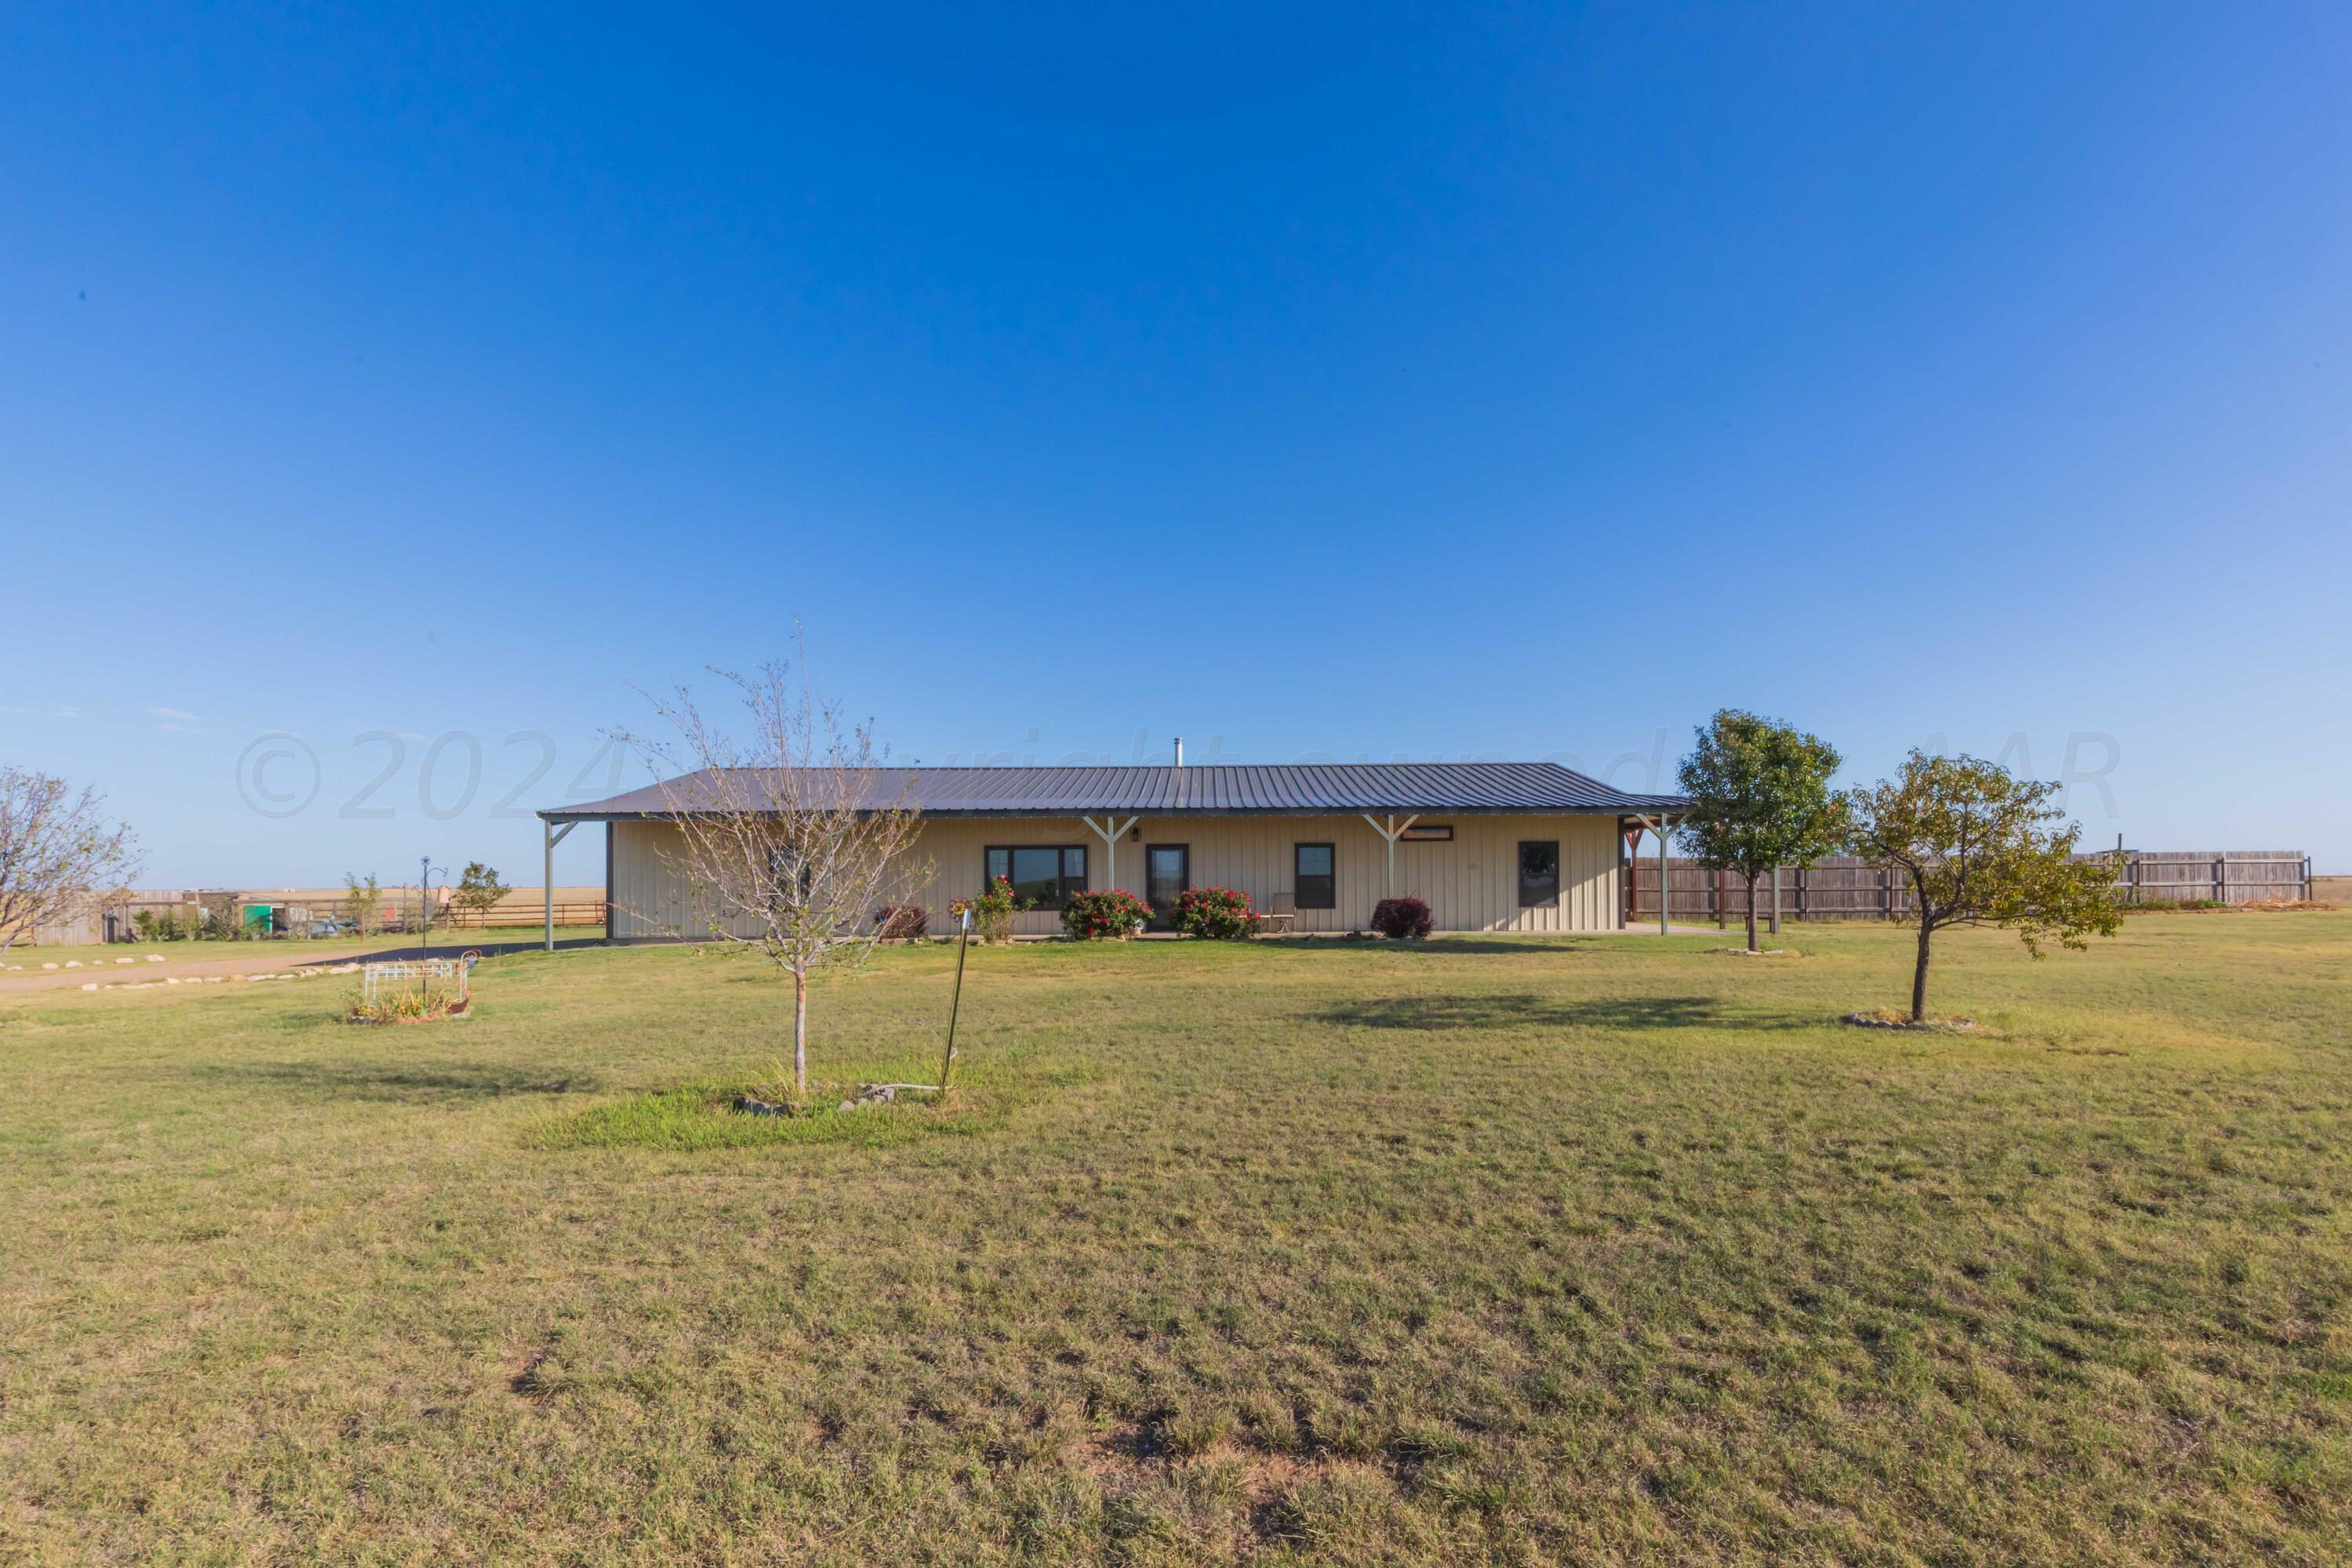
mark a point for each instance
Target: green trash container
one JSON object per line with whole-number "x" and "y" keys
{"x": 258, "y": 916}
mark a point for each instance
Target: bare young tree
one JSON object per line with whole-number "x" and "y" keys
{"x": 792, "y": 839}
{"x": 60, "y": 853}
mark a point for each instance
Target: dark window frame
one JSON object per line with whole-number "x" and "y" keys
{"x": 1299, "y": 878}
{"x": 1065, "y": 882}
{"x": 1526, "y": 845}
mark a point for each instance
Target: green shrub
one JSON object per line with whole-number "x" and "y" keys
{"x": 991, "y": 913}
{"x": 1220, "y": 913}
{"x": 1091, "y": 917}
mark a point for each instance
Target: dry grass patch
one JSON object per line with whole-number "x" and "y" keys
{"x": 1496, "y": 1251}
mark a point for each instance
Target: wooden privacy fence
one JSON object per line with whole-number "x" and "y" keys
{"x": 1844, "y": 889}
{"x": 459, "y": 919}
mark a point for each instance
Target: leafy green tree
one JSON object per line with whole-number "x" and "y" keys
{"x": 479, "y": 890}
{"x": 1981, "y": 848}
{"x": 363, "y": 896}
{"x": 1760, "y": 797}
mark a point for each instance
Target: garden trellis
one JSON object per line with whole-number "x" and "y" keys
{"x": 386, "y": 975}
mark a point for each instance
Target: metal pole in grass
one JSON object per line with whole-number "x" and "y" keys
{"x": 425, "y": 917}
{"x": 963, "y": 941}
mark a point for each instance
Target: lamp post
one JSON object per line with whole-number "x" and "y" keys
{"x": 425, "y": 869}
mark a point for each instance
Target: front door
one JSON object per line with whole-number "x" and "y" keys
{"x": 1167, "y": 871}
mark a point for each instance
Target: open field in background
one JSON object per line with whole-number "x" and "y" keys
{"x": 1510, "y": 1250}
{"x": 28, "y": 967}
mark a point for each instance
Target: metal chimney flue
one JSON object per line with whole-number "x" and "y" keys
{"x": 1180, "y": 751}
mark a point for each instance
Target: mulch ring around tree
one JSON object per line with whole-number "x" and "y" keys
{"x": 1888, "y": 1018}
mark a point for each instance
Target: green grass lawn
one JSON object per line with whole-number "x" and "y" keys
{"x": 1487, "y": 1250}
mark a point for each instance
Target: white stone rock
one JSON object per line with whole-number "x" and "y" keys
{"x": 48, "y": 966}
{"x": 89, "y": 985}
{"x": 122, "y": 960}
{"x": 154, "y": 958}
{"x": 171, "y": 980}
{"x": 73, "y": 964}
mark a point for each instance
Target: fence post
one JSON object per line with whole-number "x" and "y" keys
{"x": 1885, "y": 896}
{"x": 2220, "y": 879}
{"x": 1800, "y": 895}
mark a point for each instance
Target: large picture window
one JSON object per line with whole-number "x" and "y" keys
{"x": 1043, "y": 876}
{"x": 1539, "y": 873}
{"x": 1312, "y": 880}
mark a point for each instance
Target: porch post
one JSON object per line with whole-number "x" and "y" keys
{"x": 1391, "y": 834}
{"x": 1658, "y": 827}
{"x": 554, "y": 836}
{"x": 1663, "y": 877}
{"x": 547, "y": 879}
{"x": 1110, "y": 832}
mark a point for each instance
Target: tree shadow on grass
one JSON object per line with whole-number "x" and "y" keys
{"x": 414, "y": 1083}
{"x": 1503, "y": 1010}
{"x": 1434, "y": 947}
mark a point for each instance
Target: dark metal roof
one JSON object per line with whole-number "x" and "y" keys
{"x": 1288, "y": 790}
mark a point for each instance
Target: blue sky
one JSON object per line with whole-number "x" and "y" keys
{"x": 1363, "y": 382}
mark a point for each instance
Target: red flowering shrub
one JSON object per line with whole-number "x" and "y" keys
{"x": 1402, "y": 918}
{"x": 901, "y": 922}
{"x": 991, "y": 913}
{"x": 1222, "y": 912}
{"x": 1091, "y": 917}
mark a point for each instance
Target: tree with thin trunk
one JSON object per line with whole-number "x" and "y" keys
{"x": 363, "y": 896}
{"x": 1981, "y": 848}
{"x": 791, "y": 839}
{"x": 479, "y": 891}
{"x": 60, "y": 855}
{"x": 1759, "y": 797}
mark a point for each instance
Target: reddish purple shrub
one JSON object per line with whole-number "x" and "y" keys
{"x": 901, "y": 922}
{"x": 1402, "y": 918}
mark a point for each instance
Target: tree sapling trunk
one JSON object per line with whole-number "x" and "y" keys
{"x": 1919, "y": 975}
{"x": 799, "y": 1033}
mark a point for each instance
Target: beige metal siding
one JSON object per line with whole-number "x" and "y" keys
{"x": 1471, "y": 882}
